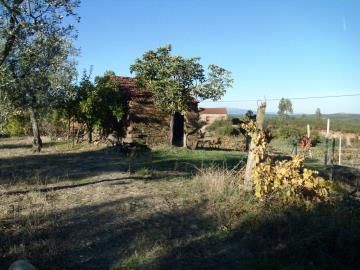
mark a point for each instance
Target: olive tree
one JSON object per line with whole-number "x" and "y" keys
{"x": 176, "y": 81}
{"x": 318, "y": 113}
{"x": 24, "y": 20}
{"x": 35, "y": 48}
{"x": 285, "y": 107}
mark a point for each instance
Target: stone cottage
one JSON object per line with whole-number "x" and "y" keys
{"x": 146, "y": 124}
{"x": 209, "y": 115}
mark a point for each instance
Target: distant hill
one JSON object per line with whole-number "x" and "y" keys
{"x": 340, "y": 116}
{"x": 239, "y": 111}
{"x": 337, "y": 116}
{"x": 339, "y": 121}
{"x": 236, "y": 111}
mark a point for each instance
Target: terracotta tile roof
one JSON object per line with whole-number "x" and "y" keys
{"x": 213, "y": 111}
{"x": 128, "y": 84}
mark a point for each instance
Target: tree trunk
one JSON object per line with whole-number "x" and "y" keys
{"x": 251, "y": 161}
{"x": 171, "y": 131}
{"x": 69, "y": 128}
{"x": 89, "y": 134}
{"x": 186, "y": 129}
{"x": 37, "y": 143}
{"x": 247, "y": 142}
{"x": 185, "y": 140}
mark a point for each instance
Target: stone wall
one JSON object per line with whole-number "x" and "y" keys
{"x": 145, "y": 123}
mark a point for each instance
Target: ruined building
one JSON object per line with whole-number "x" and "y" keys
{"x": 145, "y": 123}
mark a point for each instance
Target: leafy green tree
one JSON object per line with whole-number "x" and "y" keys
{"x": 111, "y": 103}
{"x": 285, "y": 107}
{"x": 175, "y": 81}
{"x": 35, "y": 47}
{"x": 101, "y": 104}
{"x": 318, "y": 113}
{"x": 23, "y": 20}
{"x": 6, "y": 111}
{"x": 88, "y": 104}
{"x": 66, "y": 101}
{"x": 34, "y": 80}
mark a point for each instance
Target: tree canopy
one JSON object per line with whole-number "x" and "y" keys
{"x": 100, "y": 104}
{"x": 318, "y": 113}
{"x": 175, "y": 80}
{"x": 22, "y": 21}
{"x": 36, "y": 49}
{"x": 285, "y": 107}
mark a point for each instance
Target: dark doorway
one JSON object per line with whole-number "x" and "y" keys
{"x": 178, "y": 130}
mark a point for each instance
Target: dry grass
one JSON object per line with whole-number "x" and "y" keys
{"x": 36, "y": 225}
{"x": 218, "y": 181}
{"x": 156, "y": 219}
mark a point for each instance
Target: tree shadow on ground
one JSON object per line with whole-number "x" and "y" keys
{"x": 101, "y": 236}
{"x": 14, "y": 146}
{"x": 96, "y": 237}
{"x": 10, "y": 146}
{"x": 53, "y": 167}
{"x": 292, "y": 239}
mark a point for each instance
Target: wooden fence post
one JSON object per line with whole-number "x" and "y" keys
{"x": 332, "y": 159}
{"x": 251, "y": 160}
{"x": 340, "y": 150}
{"x": 327, "y": 143}
{"x": 308, "y": 135}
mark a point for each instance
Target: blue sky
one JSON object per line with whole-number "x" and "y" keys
{"x": 274, "y": 48}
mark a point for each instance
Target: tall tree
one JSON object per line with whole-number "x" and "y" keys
{"x": 35, "y": 47}
{"x": 111, "y": 103}
{"x": 101, "y": 104}
{"x": 88, "y": 104}
{"x": 318, "y": 113}
{"x": 22, "y": 20}
{"x": 285, "y": 107}
{"x": 175, "y": 81}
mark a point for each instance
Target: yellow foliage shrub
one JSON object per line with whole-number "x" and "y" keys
{"x": 289, "y": 180}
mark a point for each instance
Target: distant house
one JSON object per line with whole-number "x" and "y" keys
{"x": 209, "y": 115}
{"x": 144, "y": 122}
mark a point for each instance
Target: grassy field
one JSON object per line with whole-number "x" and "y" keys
{"x": 338, "y": 122}
{"x": 80, "y": 208}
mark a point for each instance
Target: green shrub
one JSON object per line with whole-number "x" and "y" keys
{"x": 53, "y": 124}
{"x": 315, "y": 138}
{"x": 18, "y": 125}
{"x": 288, "y": 132}
{"x": 222, "y": 128}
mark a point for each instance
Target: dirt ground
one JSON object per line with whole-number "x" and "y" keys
{"x": 88, "y": 227}
{"x": 80, "y": 208}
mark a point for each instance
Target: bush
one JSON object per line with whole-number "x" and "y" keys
{"x": 288, "y": 132}
{"x": 53, "y": 124}
{"x": 18, "y": 125}
{"x": 222, "y": 128}
{"x": 289, "y": 181}
{"x": 315, "y": 138}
